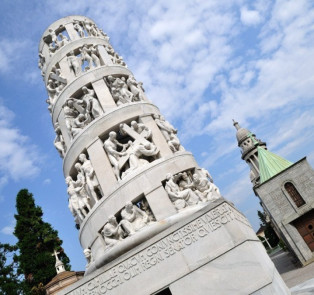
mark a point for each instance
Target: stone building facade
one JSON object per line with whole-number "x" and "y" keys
{"x": 286, "y": 191}
{"x": 151, "y": 221}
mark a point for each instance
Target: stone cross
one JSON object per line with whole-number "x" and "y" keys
{"x": 55, "y": 253}
{"x": 58, "y": 78}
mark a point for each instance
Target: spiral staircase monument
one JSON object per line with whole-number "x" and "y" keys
{"x": 150, "y": 220}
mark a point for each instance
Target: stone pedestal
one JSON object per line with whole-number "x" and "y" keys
{"x": 209, "y": 249}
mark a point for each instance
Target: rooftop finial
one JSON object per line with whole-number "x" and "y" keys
{"x": 59, "y": 264}
{"x": 236, "y": 124}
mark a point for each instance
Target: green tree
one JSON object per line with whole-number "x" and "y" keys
{"x": 36, "y": 242}
{"x": 10, "y": 280}
{"x": 270, "y": 234}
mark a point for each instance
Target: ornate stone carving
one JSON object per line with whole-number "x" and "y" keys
{"x": 81, "y": 182}
{"x": 91, "y": 28}
{"x": 169, "y": 132}
{"x": 75, "y": 63}
{"x": 79, "y": 29}
{"x": 144, "y": 206}
{"x": 85, "y": 56}
{"x": 181, "y": 198}
{"x": 111, "y": 147}
{"x": 136, "y": 88}
{"x": 89, "y": 257}
{"x": 79, "y": 123}
{"x": 116, "y": 59}
{"x": 63, "y": 40}
{"x": 70, "y": 113}
{"x": 92, "y": 184}
{"x": 59, "y": 141}
{"x": 133, "y": 219}
{"x": 112, "y": 232}
{"x": 90, "y": 103}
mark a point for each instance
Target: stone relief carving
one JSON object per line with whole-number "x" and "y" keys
{"x": 79, "y": 112}
{"x": 133, "y": 219}
{"x": 92, "y": 184}
{"x": 184, "y": 190}
{"x": 89, "y": 257}
{"x": 77, "y": 27}
{"x": 81, "y": 182}
{"x": 91, "y": 28}
{"x": 133, "y": 154}
{"x": 181, "y": 198}
{"x": 59, "y": 141}
{"x": 124, "y": 91}
{"x": 56, "y": 83}
{"x": 116, "y": 59}
{"x": 41, "y": 63}
{"x": 74, "y": 63}
{"x": 77, "y": 205}
{"x": 55, "y": 42}
{"x": 112, "y": 232}
{"x": 169, "y": 132}
{"x": 144, "y": 206}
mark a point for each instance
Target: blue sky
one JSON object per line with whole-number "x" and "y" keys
{"x": 202, "y": 63}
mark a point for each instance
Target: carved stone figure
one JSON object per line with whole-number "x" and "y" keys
{"x": 133, "y": 219}
{"x": 142, "y": 129}
{"x": 110, "y": 146}
{"x": 92, "y": 106}
{"x": 59, "y": 141}
{"x": 204, "y": 188}
{"x": 112, "y": 232}
{"x": 41, "y": 61}
{"x": 86, "y": 57}
{"x": 89, "y": 257}
{"x": 81, "y": 182}
{"x": 145, "y": 207}
{"x": 180, "y": 198}
{"x": 95, "y": 55}
{"x": 90, "y": 176}
{"x": 206, "y": 174}
{"x": 54, "y": 38}
{"x": 74, "y": 63}
{"x": 185, "y": 182}
{"x": 79, "y": 29}
{"x": 116, "y": 59}
{"x": 91, "y": 28}
{"x": 64, "y": 40}
{"x": 135, "y": 88}
{"x": 76, "y": 204}
{"x": 169, "y": 132}
{"x": 137, "y": 151}
{"x": 70, "y": 113}
{"x": 79, "y": 123}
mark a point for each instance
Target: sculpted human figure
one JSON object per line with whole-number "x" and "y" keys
{"x": 41, "y": 61}
{"x": 74, "y": 63}
{"x": 145, "y": 207}
{"x": 70, "y": 113}
{"x": 120, "y": 89}
{"x": 204, "y": 189}
{"x": 86, "y": 57}
{"x": 90, "y": 28}
{"x": 59, "y": 141}
{"x": 185, "y": 182}
{"x": 79, "y": 123}
{"x": 112, "y": 232}
{"x": 81, "y": 182}
{"x": 52, "y": 91}
{"x": 92, "y": 105}
{"x": 110, "y": 145}
{"x": 54, "y": 38}
{"x": 76, "y": 204}
{"x": 64, "y": 40}
{"x": 134, "y": 88}
{"x": 133, "y": 219}
{"x": 139, "y": 150}
{"x": 180, "y": 198}
{"x": 88, "y": 255}
{"x": 79, "y": 29}
{"x": 90, "y": 176}
{"x": 94, "y": 54}
{"x": 142, "y": 129}
{"x": 174, "y": 143}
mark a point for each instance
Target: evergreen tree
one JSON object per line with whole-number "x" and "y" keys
{"x": 10, "y": 280}
{"x": 269, "y": 232}
{"x": 36, "y": 242}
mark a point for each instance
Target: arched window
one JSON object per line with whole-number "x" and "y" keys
{"x": 294, "y": 194}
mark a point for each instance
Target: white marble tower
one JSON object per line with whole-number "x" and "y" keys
{"x": 150, "y": 220}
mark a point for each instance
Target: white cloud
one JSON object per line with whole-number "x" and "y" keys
{"x": 250, "y": 17}
{"x": 9, "y": 229}
{"x": 18, "y": 157}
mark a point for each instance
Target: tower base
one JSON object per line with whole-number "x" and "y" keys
{"x": 209, "y": 249}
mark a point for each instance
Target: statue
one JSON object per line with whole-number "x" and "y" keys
{"x": 79, "y": 123}
{"x": 169, "y": 132}
{"x": 91, "y": 28}
{"x": 95, "y": 55}
{"x": 79, "y": 29}
{"x": 70, "y": 113}
{"x": 89, "y": 257}
{"x": 90, "y": 176}
{"x": 204, "y": 189}
{"x": 144, "y": 206}
{"x": 74, "y": 63}
{"x": 134, "y": 88}
{"x": 92, "y": 106}
{"x": 86, "y": 57}
{"x": 119, "y": 90}
{"x": 81, "y": 182}
{"x": 76, "y": 205}
{"x": 54, "y": 39}
{"x": 138, "y": 150}
{"x": 180, "y": 198}
{"x": 133, "y": 219}
{"x": 59, "y": 141}
{"x": 112, "y": 232}
{"x": 110, "y": 145}
{"x": 64, "y": 40}
{"x": 185, "y": 182}
{"x": 142, "y": 129}
{"x": 41, "y": 61}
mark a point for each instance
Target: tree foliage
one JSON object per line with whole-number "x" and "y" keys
{"x": 36, "y": 242}
{"x": 10, "y": 280}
